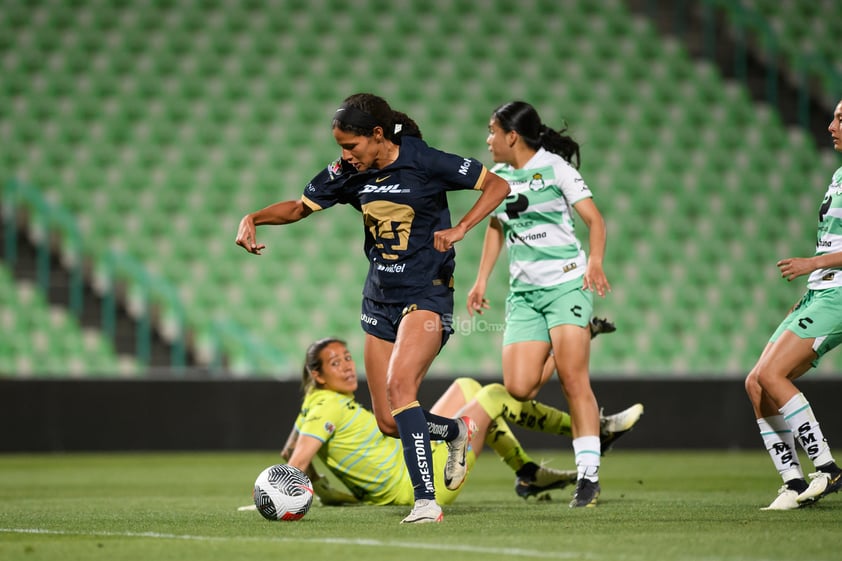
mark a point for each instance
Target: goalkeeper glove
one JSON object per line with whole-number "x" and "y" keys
{"x": 330, "y": 496}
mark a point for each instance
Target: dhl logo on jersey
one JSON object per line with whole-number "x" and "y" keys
{"x": 393, "y": 188}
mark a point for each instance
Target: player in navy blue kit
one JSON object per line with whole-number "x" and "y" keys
{"x": 399, "y": 184}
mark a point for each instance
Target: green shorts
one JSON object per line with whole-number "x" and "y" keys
{"x": 818, "y": 315}
{"x": 530, "y": 315}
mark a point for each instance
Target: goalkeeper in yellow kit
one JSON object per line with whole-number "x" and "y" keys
{"x": 334, "y": 427}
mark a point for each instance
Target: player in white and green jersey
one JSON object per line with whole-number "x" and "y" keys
{"x": 537, "y": 222}
{"x": 811, "y": 329}
{"x": 344, "y": 435}
{"x": 550, "y": 300}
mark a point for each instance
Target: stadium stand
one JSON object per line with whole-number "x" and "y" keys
{"x": 42, "y": 340}
{"x": 806, "y": 36}
{"x": 158, "y": 124}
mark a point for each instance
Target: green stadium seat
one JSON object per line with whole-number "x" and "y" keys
{"x": 159, "y": 124}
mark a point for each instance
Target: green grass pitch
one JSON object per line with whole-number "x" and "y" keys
{"x": 664, "y": 506}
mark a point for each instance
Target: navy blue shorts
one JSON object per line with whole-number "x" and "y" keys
{"x": 382, "y": 320}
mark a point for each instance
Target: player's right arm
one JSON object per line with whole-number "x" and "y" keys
{"x": 305, "y": 457}
{"x": 491, "y": 247}
{"x": 285, "y": 212}
{"x": 305, "y": 450}
{"x": 323, "y": 191}
{"x": 794, "y": 267}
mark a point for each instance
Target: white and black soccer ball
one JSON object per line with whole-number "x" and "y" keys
{"x": 283, "y": 492}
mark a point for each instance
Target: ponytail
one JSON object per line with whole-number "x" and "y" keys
{"x": 559, "y": 143}
{"x": 522, "y": 118}
{"x": 402, "y": 125}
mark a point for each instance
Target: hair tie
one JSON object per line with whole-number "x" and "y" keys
{"x": 398, "y": 127}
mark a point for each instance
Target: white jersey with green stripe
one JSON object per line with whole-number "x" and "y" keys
{"x": 537, "y": 220}
{"x": 829, "y": 237}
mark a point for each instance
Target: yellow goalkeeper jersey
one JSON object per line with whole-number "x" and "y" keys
{"x": 370, "y": 464}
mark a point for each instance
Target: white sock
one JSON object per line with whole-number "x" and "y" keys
{"x": 780, "y": 443}
{"x": 805, "y": 428}
{"x": 587, "y": 450}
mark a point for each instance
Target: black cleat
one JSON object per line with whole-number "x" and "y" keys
{"x": 601, "y": 325}
{"x": 587, "y": 492}
{"x": 544, "y": 479}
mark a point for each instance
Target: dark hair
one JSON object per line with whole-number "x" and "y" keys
{"x": 522, "y": 118}
{"x": 313, "y": 360}
{"x": 361, "y": 112}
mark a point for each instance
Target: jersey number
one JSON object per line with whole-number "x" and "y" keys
{"x": 390, "y": 225}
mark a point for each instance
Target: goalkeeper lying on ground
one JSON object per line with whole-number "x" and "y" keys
{"x": 344, "y": 435}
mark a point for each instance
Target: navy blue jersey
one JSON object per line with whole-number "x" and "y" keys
{"x": 402, "y": 205}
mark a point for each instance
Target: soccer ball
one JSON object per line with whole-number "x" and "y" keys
{"x": 282, "y": 492}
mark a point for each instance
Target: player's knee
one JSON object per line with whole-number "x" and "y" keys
{"x": 521, "y": 391}
{"x": 400, "y": 391}
{"x": 492, "y": 399}
{"x": 387, "y": 425}
{"x": 751, "y": 384}
{"x": 468, "y": 386}
{"x": 491, "y": 392}
{"x": 768, "y": 378}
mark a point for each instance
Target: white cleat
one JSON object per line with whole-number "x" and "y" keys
{"x": 614, "y": 426}
{"x": 424, "y": 511}
{"x": 787, "y": 499}
{"x": 821, "y": 484}
{"x": 456, "y": 468}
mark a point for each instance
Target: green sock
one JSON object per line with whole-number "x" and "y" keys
{"x": 533, "y": 415}
{"x": 502, "y": 440}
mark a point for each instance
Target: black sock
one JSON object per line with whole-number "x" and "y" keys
{"x": 528, "y": 470}
{"x": 798, "y": 485}
{"x": 830, "y": 468}
{"x": 441, "y": 428}
{"x": 416, "y": 451}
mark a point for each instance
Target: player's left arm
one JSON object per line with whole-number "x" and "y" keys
{"x": 494, "y": 190}
{"x": 594, "y": 278}
{"x": 794, "y": 267}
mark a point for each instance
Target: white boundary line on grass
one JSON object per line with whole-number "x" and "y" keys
{"x": 514, "y": 552}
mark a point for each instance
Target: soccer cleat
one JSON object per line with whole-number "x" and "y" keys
{"x": 822, "y": 484}
{"x": 787, "y": 499}
{"x": 456, "y": 467}
{"x": 544, "y": 479}
{"x": 587, "y": 492}
{"x": 601, "y": 325}
{"x": 614, "y": 426}
{"x": 424, "y": 511}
